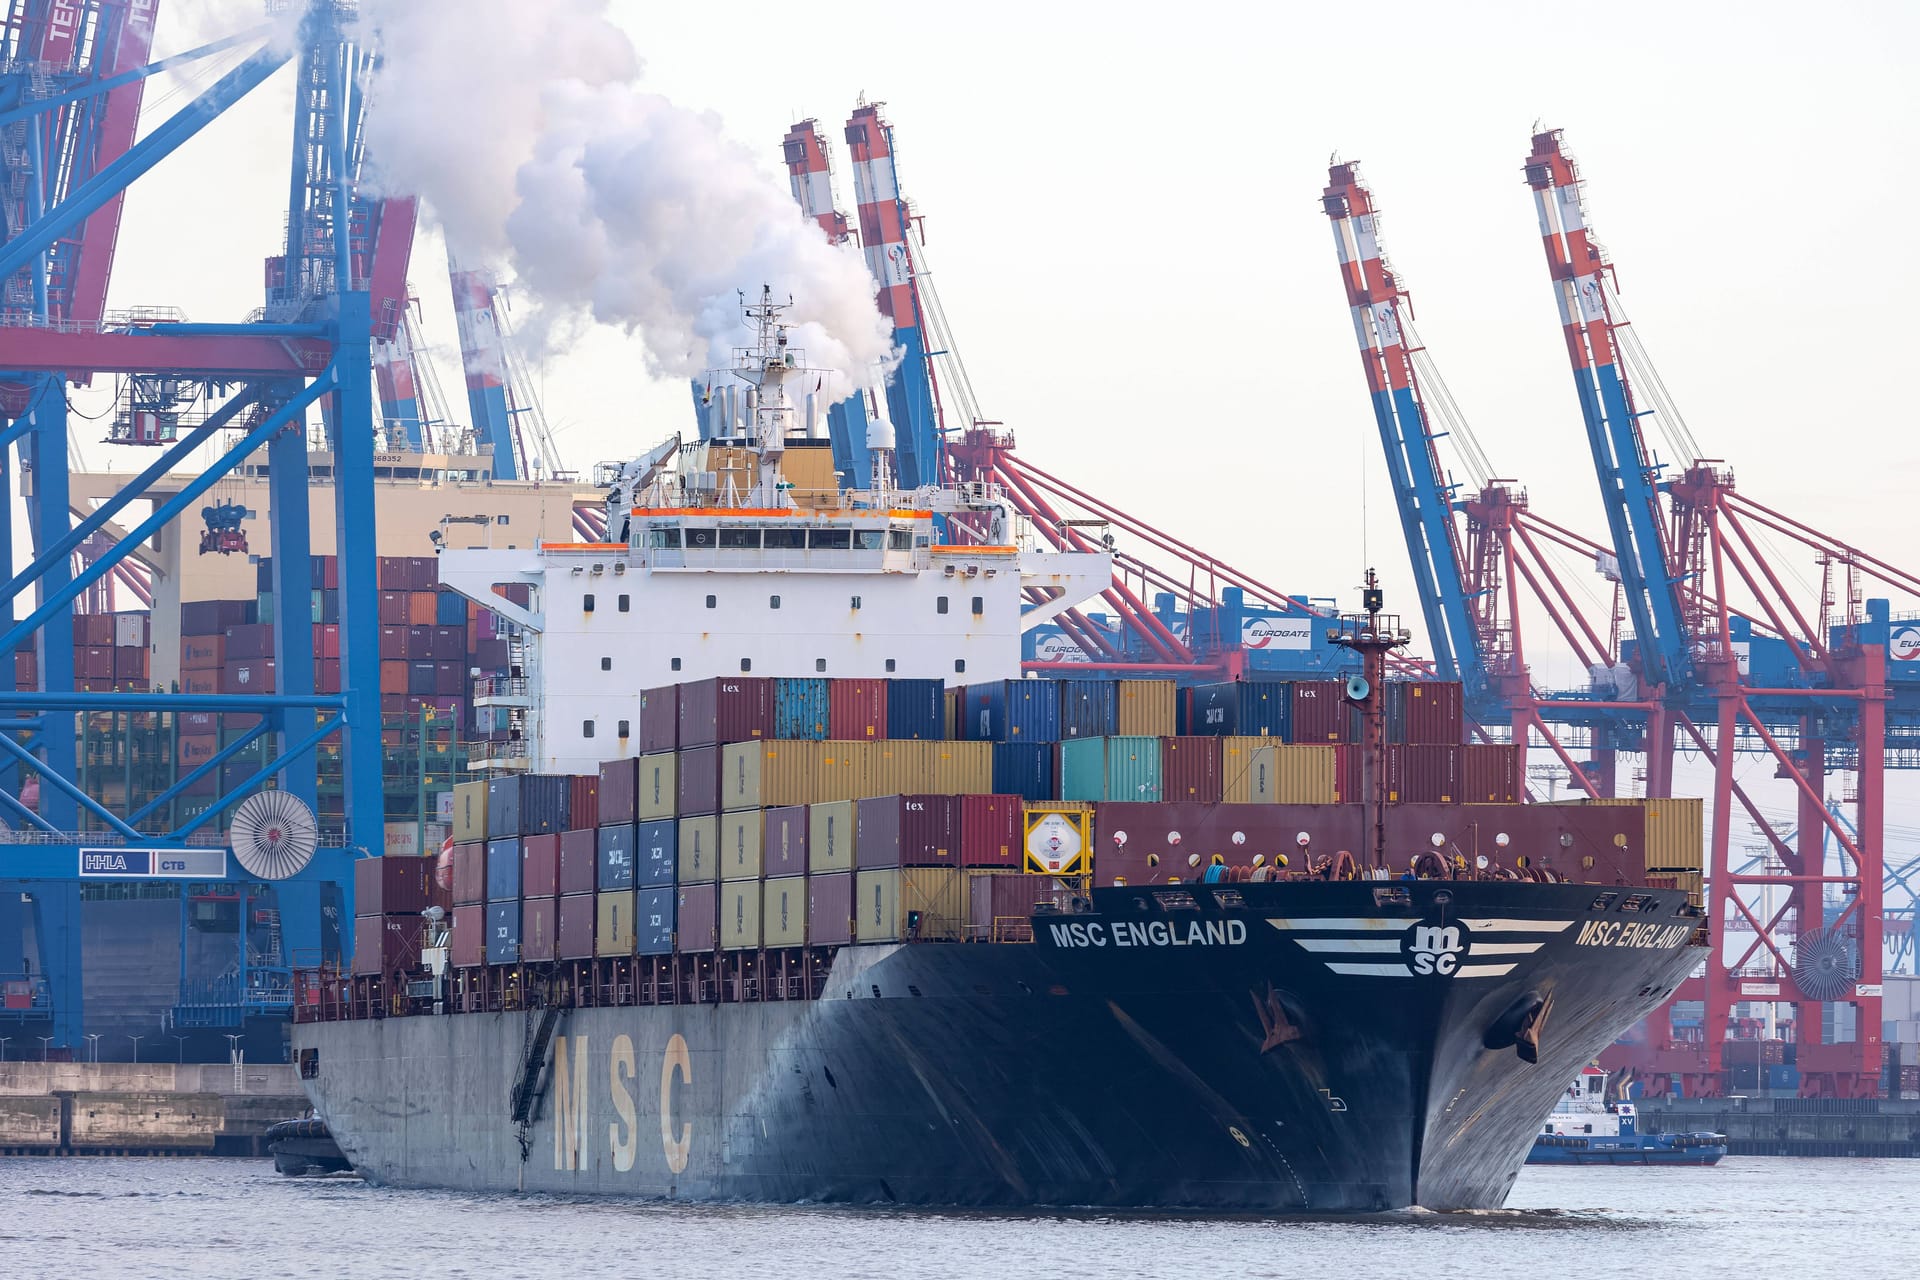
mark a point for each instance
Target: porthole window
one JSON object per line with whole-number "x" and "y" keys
{"x": 746, "y": 664}
{"x": 606, "y": 664}
{"x": 625, "y": 602}
{"x": 819, "y": 664}
{"x": 713, "y": 602}
{"x": 625, "y": 727}
{"x": 586, "y": 602}
{"x": 586, "y": 728}
{"x": 940, "y": 605}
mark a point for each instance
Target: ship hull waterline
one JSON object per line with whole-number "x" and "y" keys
{"x": 1278, "y": 1048}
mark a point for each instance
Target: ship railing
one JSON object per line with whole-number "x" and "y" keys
{"x": 101, "y": 839}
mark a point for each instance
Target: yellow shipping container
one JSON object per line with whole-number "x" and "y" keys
{"x": 783, "y": 913}
{"x": 740, "y": 915}
{"x": 830, "y": 836}
{"x": 699, "y": 850}
{"x": 1146, "y": 708}
{"x": 740, "y": 845}
{"x": 469, "y": 812}
{"x": 928, "y": 768}
{"x": 886, "y": 902}
{"x": 1278, "y": 772}
{"x": 658, "y": 792}
{"x": 613, "y": 931}
{"x": 1247, "y": 769}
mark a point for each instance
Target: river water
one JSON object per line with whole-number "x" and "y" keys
{"x": 129, "y": 1219}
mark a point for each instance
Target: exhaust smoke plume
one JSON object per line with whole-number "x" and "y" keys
{"x": 524, "y": 128}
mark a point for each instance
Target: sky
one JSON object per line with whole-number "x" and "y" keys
{"x": 1121, "y": 209}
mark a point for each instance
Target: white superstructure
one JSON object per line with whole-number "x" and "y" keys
{"x": 742, "y": 556}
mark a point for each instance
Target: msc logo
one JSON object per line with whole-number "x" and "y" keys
{"x": 1435, "y": 948}
{"x": 1903, "y": 643}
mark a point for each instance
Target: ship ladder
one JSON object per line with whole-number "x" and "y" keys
{"x": 531, "y": 1084}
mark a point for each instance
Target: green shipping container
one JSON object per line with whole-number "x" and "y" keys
{"x": 830, "y": 836}
{"x": 740, "y": 915}
{"x": 657, "y": 794}
{"x": 1110, "y": 769}
{"x": 699, "y": 850}
{"x": 740, "y": 845}
{"x": 783, "y": 917}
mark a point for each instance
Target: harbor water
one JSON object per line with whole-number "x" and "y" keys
{"x": 217, "y": 1218}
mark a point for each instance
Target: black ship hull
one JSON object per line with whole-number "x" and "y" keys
{"x": 1290, "y": 1047}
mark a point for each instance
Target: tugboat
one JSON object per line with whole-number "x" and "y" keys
{"x": 1587, "y": 1129}
{"x": 305, "y": 1146}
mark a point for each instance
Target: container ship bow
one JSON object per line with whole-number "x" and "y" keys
{"x": 831, "y": 932}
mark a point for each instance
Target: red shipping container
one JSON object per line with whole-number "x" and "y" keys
{"x": 906, "y": 831}
{"x": 1321, "y": 712}
{"x": 698, "y": 782}
{"x": 1000, "y": 908}
{"x": 391, "y": 885}
{"x": 829, "y": 908}
{"x": 386, "y": 944}
{"x": 26, "y": 670}
{"x": 392, "y": 573}
{"x": 203, "y": 653}
{"x": 393, "y": 677}
{"x": 393, "y": 643}
{"x": 249, "y": 675}
{"x": 1490, "y": 774}
{"x": 697, "y": 918}
{"x": 196, "y": 749}
{"x": 1423, "y": 774}
{"x": 450, "y": 680}
{"x": 420, "y": 644}
{"x": 1434, "y": 713}
{"x": 575, "y": 930}
{"x": 423, "y": 609}
{"x": 129, "y": 661}
{"x": 393, "y": 609}
{"x": 990, "y": 831}
{"x": 1190, "y": 770}
{"x": 326, "y": 675}
{"x": 539, "y": 928}
{"x": 95, "y": 662}
{"x": 583, "y": 801}
{"x": 619, "y": 792}
{"x": 99, "y": 629}
{"x": 469, "y": 874}
{"x": 202, "y": 682}
{"x": 539, "y": 868}
{"x": 449, "y": 644}
{"x": 726, "y": 709}
{"x": 470, "y": 937}
{"x": 659, "y": 719}
{"x": 326, "y": 640}
{"x": 198, "y": 721}
{"x": 857, "y": 710}
{"x": 393, "y": 704}
{"x": 579, "y": 851}
{"x": 783, "y": 842}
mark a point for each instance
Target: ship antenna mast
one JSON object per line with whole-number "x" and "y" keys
{"x": 1372, "y": 634}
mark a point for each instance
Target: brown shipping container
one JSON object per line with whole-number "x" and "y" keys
{"x": 539, "y": 871}
{"x": 697, "y": 919}
{"x": 830, "y": 909}
{"x": 1144, "y": 844}
{"x": 740, "y": 835}
{"x": 197, "y": 748}
{"x": 253, "y": 675}
{"x": 99, "y": 628}
{"x": 470, "y": 876}
{"x": 783, "y": 841}
{"x": 659, "y": 719}
{"x": 1490, "y": 774}
{"x": 699, "y": 849}
{"x": 393, "y": 677}
{"x": 1190, "y": 770}
{"x": 539, "y": 921}
{"x": 1423, "y": 774}
{"x": 422, "y": 608}
{"x": 698, "y": 781}
{"x": 725, "y": 709}
{"x": 1321, "y": 712}
{"x": 1675, "y": 837}
{"x": 613, "y": 927}
{"x": 579, "y": 861}
{"x": 583, "y": 801}
{"x": 1146, "y": 708}
{"x": 469, "y": 937}
{"x": 1000, "y": 904}
{"x": 830, "y": 834}
{"x": 658, "y": 788}
{"x": 1588, "y": 843}
{"x": 990, "y": 830}
{"x": 576, "y": 928}
{"x": 913, "y": 903}
{"x": 619, "y": 789}
{"x": 783, "y": 912}
{"x": 740, "y": 915}
{"x": 907, "y": 831}
{"x": 857, "y": 710}
{"x": 391, "y": 886}
{"x": 386, "y": 944}
{"x": 1434, "y": 715}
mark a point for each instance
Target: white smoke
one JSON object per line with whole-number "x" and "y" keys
{"x": 524, "y": 128}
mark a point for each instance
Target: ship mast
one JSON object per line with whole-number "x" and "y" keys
{"x": 769, "y": 365}
{"x": 1373, "y": 635}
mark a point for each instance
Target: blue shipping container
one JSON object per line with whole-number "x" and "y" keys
{"x": 503, "y": 807}
{"x": 616, "y": 856}
{"x": 1011, "y": 711}
{"x": 653, "y": 922}
{"x": 503, "y": 870}
{"x": 656, "y": 853}
{"x": 916, "y": 709}
{"x": 1089, "y": 708}
{"x": 1241, "y": 708}
{"x": 450, "y": 609}
{"x": 503, "y": 933}
{"x": 1026, "y": 769}
{"x": 800, "y": 708}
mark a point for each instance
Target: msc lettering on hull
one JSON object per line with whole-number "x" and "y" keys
{"x": 570, "y": 1074}
{"x": 1155, "y": 933}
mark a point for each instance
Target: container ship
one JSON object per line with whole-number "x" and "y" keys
{"x": 786, "y": 887}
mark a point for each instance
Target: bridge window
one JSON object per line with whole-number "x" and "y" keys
{"x": 663, "y": 538}
{"x": 829, "y": 539}
{"x": 869, "y": 539}
{"x": 784, "y": 539}
{"x": 739, "y": 539}
{"x": 900, "y": 540}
